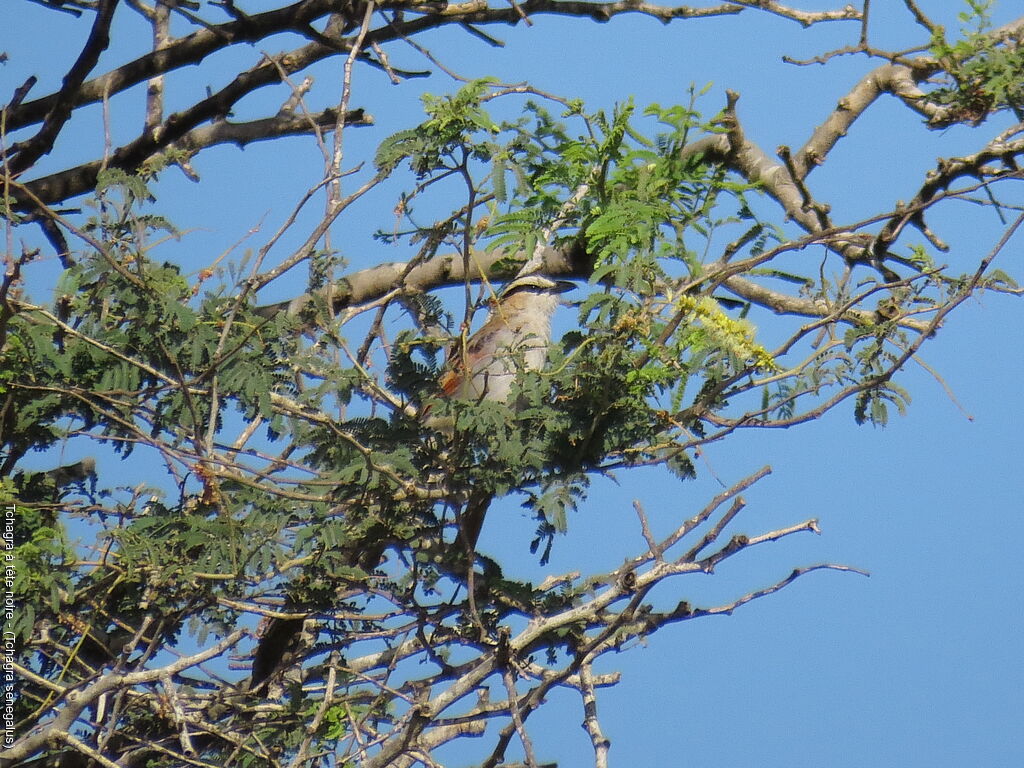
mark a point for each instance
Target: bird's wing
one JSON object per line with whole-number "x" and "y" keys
{"x": 477, "y": 355}
{"x": 450, "y": 381}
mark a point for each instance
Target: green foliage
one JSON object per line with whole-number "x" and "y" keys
{"x": 438, "y": 144}
{"x": 986, "y": 74}
{"x": 875, "y": 359}
{"x": 38, "y": 560}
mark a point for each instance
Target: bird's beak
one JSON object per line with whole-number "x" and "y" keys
{"x": 561, "y": 286}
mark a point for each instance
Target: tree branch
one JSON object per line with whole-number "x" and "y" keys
{"x": 23, "y": 155}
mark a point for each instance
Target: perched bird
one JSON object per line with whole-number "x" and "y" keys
{"x": 515, "y": 338}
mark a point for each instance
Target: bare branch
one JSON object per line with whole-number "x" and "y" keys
{"x": 77, "y": 700}
{"x": 24, "y": 154}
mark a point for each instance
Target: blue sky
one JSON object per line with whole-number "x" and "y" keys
{"x": 918, "y": 665}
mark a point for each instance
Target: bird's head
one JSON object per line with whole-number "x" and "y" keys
{"x": 536, "y": 284}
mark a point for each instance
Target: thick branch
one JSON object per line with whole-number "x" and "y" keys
{"x": 448, "y": 269}
{"x": 76, "y": 701}
{"x": 61, "y": 105}
{"x": 188, "y": 50}
{"x": 81, "y": 179}
{"x": 299, "y": 16}
{"x": 897, "y": 80}
{"x": 787, "y": 304}
{"x": 445, "y": 270}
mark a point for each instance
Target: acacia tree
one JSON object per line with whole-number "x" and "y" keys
{"x": 289, "y": 588}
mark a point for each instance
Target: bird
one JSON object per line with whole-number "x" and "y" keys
{"x": 514, "y": 338}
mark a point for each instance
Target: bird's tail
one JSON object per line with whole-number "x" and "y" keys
{"x": 471, "y": 519}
